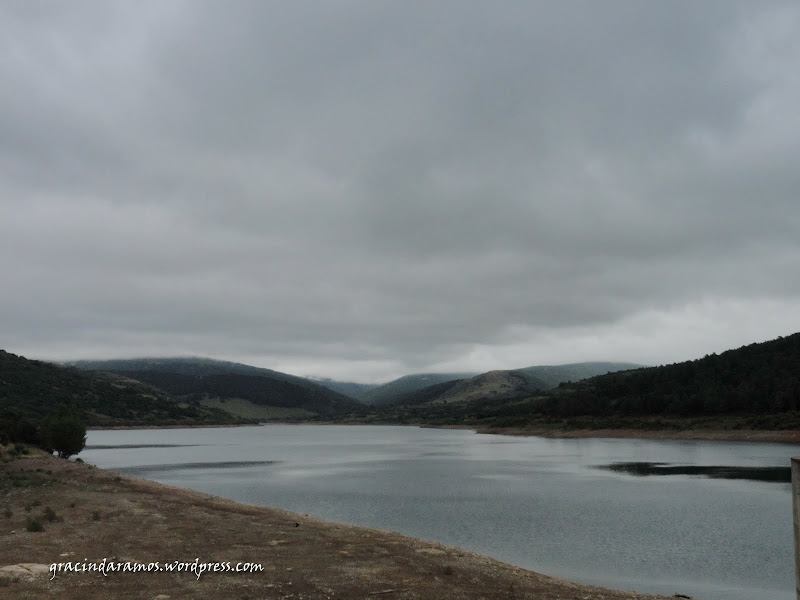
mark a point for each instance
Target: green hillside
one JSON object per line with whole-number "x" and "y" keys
{"x": 183, "y": 366}
{"x": 486, "y": 386}
{"x": 753, "y": 387}
{"x": 34, "y": 389}
{"x": 552, "y": 375}
{"x": 199, "y": 380}
{"x": 388, "y": 393}
{"x": 424, "y": 395}
{"x": 759, "y": 378}
{"x": 357, "y": 391}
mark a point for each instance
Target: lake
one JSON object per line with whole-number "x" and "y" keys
{"x": 711, "y": 520}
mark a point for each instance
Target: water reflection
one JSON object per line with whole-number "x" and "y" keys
{"x": 127, "y": 446}
{"x": 139, "y": 469}
{"x": 644, "y": 469}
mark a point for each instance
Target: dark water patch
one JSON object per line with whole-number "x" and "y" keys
{"x": 644, "y": 469}
{"x": 236, "y": 464}
{"x": 126, "y": 446}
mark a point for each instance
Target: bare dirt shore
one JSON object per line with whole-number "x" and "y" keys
{"x": 89, "y": 514}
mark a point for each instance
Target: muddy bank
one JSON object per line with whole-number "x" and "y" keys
{"x": 88, "y": 515}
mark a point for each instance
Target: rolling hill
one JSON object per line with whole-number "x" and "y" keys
{"x": 389, "y": 393}
{"x": 752, "y": 387}
{"x": 357, "y": 391}
{"x": 253, "y": 391}
{"x": 553, "y": 375}
{"x": 491, "y": 385}
{"x": 515, "y": 383}
{"x": 34, "y": 389}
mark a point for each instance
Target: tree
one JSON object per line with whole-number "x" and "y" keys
{"x": 64, "y": 433}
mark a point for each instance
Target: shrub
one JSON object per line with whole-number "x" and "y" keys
{"x": 18, "y": 450}
{"x": 34, "y": 524}
{"x": 95, "y": 515}
{"x": 65, "y": 433}
{"x": 50, "y": 515}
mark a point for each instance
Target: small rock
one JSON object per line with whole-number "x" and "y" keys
{"x": 25, "y": 570}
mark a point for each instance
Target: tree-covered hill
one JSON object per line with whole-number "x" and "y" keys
{"x": 753, "y": 387}
{"x": 357, "y": 391}
{"x": 759, "y": 378}
{"x": 552, "y": 375}
{"x": 200, "y": 379}
{"x": 486, "y": 386}
{"x": 423, "y": 396}
{"x": 390, "y": 393}
{"x": 194, "y": 366}
{"x": 35, "y": 389}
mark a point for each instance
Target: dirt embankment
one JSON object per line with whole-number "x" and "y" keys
{"x": 88, "y": 515}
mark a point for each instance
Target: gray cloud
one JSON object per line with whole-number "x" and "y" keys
{"x": 360, "y": 189}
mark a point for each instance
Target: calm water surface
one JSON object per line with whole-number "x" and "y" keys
{"x": 629, "y": 514}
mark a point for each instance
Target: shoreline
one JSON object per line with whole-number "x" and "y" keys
{"x": 102, "y": 514}
{"x": 786, "y": 436}
{"x": 777, "y": 436}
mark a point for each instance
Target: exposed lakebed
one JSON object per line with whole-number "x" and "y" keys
{"x": 706, "y": 519}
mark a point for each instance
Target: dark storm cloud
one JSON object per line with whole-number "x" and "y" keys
{"x": 356, "y": 188}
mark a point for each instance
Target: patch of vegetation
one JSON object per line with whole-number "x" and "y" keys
{"x": 249, "y": 410}
{"x": 63, "y": 433}
{"x": 10, "y": 479}
{"x": 50, "y": 515}
{"x": 33, "y": 524}
{"x": 96, "y": 515}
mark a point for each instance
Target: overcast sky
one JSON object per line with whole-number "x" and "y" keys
{"x": 360, "y": 189}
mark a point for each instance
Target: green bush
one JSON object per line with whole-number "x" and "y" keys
{"x": 64, "y": 433}
{"x": 50, "y": 515}
{"x": 34, "y": 524}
